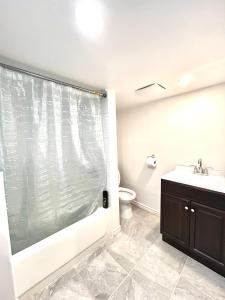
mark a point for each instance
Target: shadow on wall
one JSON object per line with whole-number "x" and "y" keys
{"x": 144, "y": 176}
{"x": 120, "y": 170}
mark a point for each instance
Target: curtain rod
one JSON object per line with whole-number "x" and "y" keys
{"x": 80, "y": 88}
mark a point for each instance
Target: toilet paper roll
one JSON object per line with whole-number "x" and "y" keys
{"x": 151, "y": 162}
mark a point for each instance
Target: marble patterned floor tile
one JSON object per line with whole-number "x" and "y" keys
{"x": 52, "y": 289}
{"x": 137, "y": 265}
{"x": 142, "y": 229}
{"x": 158, "y": 274}
{"x": 139, "y": 289}
{"x": 186, "y": 290}
{"x": 162, "y": 264}
{"x": 126, "y": 251}
{"x": 139, "y": 212}
{"x": 130, "y": 290}
{"x": 167, "y": 254}
{"x": 154, "y": 290}
{"x": 141, "y": 216}
{"x": 95, "y": 278}
{"x": 204, "y": 279}
{"x": 75, "y": 288}
{"x": 102, "y": 275}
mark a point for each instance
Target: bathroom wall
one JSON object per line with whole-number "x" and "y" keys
{"x": 178, "y": 130}
{"x": 112, "y": 160}
{"x": 7, "y": 286}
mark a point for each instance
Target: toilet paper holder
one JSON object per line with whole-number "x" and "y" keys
{"x": 151, "y": 161}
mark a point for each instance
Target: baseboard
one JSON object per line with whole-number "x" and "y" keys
{"x": 146, "y": 207}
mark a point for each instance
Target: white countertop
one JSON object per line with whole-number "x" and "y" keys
{"x": 185, "y": 175}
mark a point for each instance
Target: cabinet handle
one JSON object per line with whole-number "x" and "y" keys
{"x": 192, "y": 210}
{"x": 186, "y": 207}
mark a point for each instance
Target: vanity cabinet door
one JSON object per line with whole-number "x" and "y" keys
{"x": 175, "y": 218}
{"x": 207, "y": 234}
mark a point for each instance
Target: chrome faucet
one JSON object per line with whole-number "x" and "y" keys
{"x": 199, "y": 168}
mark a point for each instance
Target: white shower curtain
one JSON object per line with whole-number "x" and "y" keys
{"x": 52, "y": 155}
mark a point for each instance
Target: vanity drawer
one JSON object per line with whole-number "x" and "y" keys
{"x": 202, "y": 196}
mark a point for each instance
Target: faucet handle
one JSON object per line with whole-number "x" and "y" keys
{"x": 195, "y": 170}
{"x": 205, "y": 171}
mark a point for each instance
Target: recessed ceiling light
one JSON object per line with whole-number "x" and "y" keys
{"x": 185, "y": 80}
{"x": 89, "y": 17}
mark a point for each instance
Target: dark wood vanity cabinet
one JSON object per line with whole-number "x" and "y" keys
{"x": 193, "y": 220}
{"x": 177, "y": 228}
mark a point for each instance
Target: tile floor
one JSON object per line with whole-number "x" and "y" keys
{"x": 137, "y": 265}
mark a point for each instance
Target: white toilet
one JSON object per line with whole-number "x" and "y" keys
{"x": 125, "y": 196}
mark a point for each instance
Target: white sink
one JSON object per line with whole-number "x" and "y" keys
{"x": 185, "y": 175}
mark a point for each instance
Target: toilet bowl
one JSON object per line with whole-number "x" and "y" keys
{"x": 125, "y": 196}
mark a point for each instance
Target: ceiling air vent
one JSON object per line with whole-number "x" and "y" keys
{"x": 153, "y": 89}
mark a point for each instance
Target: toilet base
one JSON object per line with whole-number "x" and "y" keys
{"x": 126, "y": 211}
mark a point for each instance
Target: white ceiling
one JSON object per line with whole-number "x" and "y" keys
{"x": 143, "y": 41}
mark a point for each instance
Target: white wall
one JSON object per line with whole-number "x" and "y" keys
{"x": 7, "y": 289}
{"x": 112, "y": 161}
{"x": 179, "y": 130}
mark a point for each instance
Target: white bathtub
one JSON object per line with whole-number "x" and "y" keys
{"x": 38, "y": 261}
